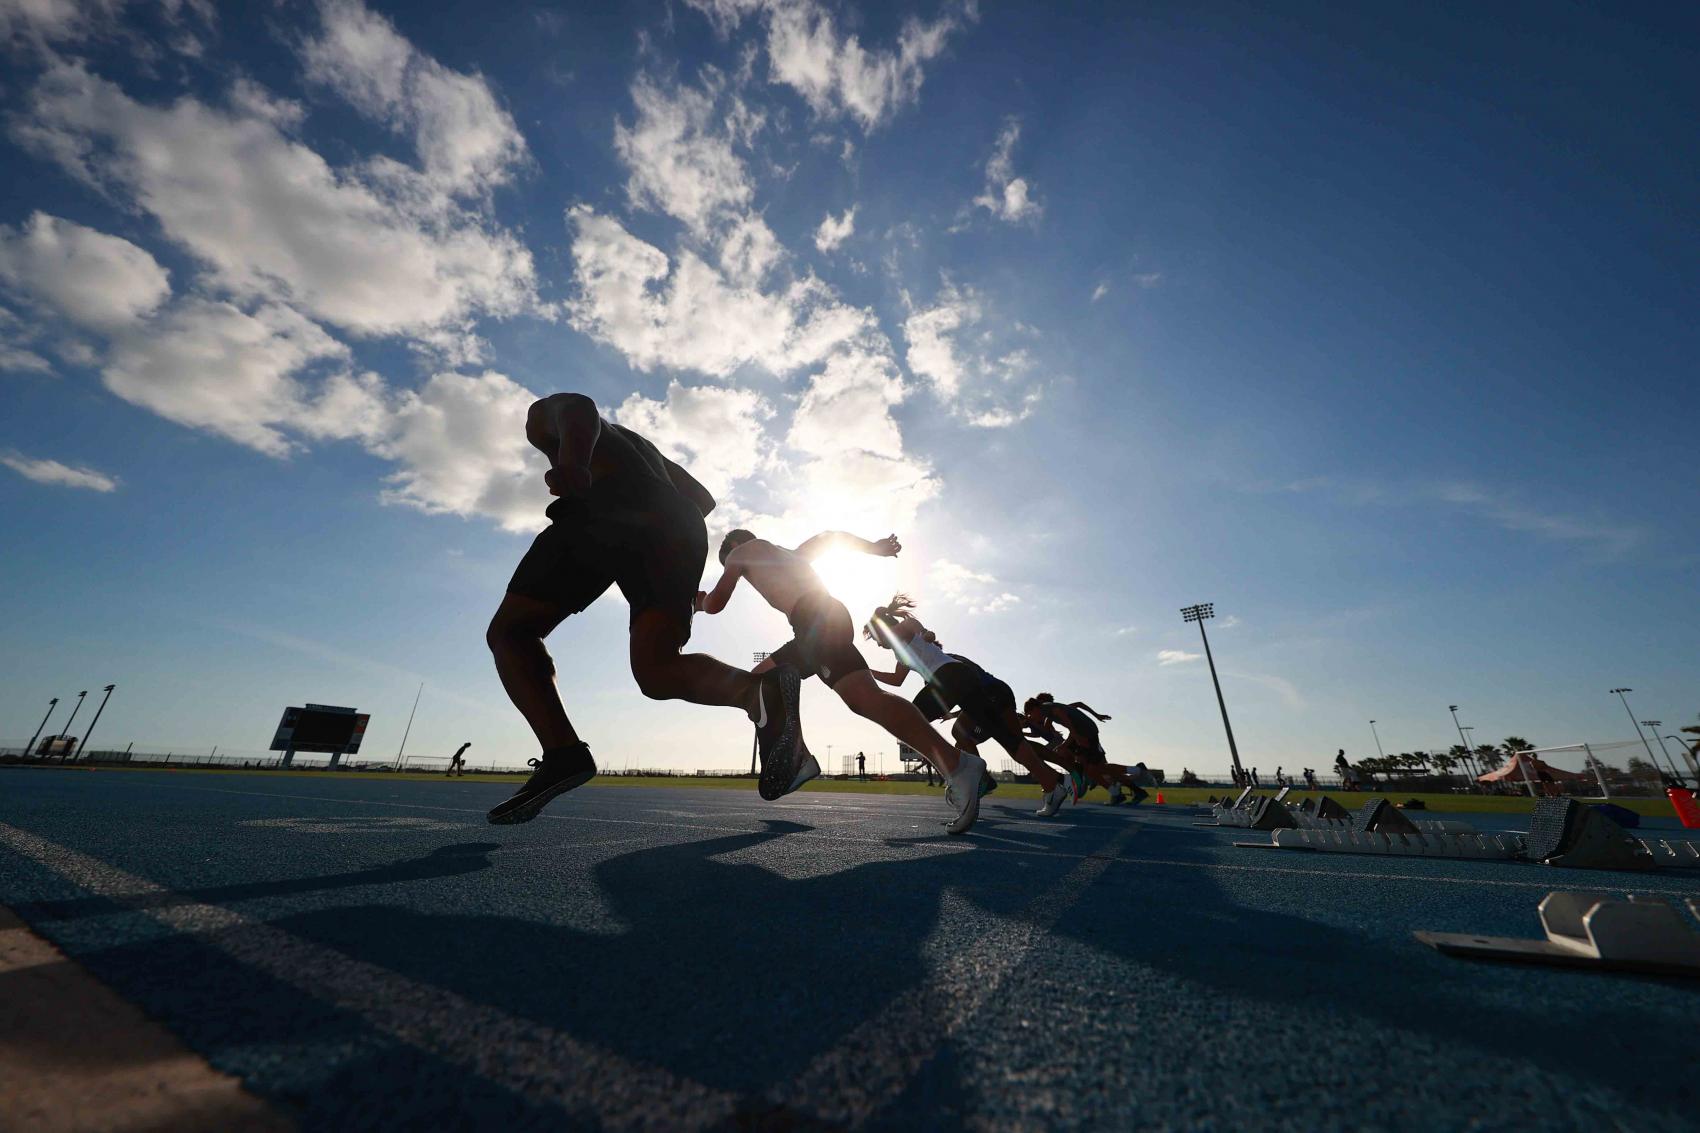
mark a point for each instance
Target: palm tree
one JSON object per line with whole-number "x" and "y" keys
{"x": 1489, "y": 757}
{"x": 1511, "y": 745}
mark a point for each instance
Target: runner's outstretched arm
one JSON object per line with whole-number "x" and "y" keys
{"x": 896, "y": 677}
{"x": 834, "y": 540}
{"x": 715, "y": 600}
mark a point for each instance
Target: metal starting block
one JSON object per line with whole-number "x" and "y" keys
{"x": 1595, "y": 930}
{"x": 1474, "y": 847}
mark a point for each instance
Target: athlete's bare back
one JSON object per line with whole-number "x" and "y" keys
{"x": 783, "y": 576}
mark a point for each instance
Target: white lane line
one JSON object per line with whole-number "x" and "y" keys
{"x": 534, "y": 1061}
{"x": 874, "y": 1063}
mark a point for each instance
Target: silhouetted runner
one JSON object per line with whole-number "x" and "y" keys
{"x": 982, "y": 706}
{"x": 824, "y": 645}
{"x": 630, "y": 517}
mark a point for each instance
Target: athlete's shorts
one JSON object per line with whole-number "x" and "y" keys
{"x": 985, "y": 702}
{"x": 636, "y": 532}
{"x": 823, "y": 642}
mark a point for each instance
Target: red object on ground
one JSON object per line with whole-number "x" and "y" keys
{"x": 1159, "y": 798}
{"x": 1687, "y": 811}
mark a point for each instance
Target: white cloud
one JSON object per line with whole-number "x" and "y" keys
{"x": 91, "y": 278}
{"x": 210, "y": 365}
{"x": 460, "y": 441}
{"x": 689, "y": 316}
{"x": 975, "y": 591}
{"x": 53, "y": 472}
{"x": 834, "y": 73}
{"x": 42, "y": 22}
{"x": 375, "y": 251}
{"x": 718, "y": 434}
{"x": 681, "y": 159}
{"x": 1007, "y": 196}
{"x": 1100, "y": 291}
{"x": 978, "y": 376}
{"x": 467, "y": 143}
{"x": 1124, "y": 631}
{"x": 833, "y": 231}
{"x": 1177, "y": 657}
{"x": 15, "y": 359}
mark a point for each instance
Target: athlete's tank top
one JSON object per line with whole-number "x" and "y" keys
{"x": 925, "y": 657}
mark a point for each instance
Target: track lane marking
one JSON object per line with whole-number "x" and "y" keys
{"x": 874, "y": 1063}
{"x": 533, "y": 1061}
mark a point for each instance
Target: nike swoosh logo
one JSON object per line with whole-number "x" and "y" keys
{"x": 761, "y": 704}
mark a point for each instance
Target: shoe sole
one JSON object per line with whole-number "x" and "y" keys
{"x": 779, "y": 768}
{"x": 809, "y": 769}
{"x": 528, "y": 810}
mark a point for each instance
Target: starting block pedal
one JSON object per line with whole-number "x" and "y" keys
{"x": 1595, "y": 930}
{"x": 1328, "y": 808}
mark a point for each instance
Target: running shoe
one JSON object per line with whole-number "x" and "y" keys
{"x": 1078, "y": 784}
{"x": 558, "y": 771}
{"x": 1116, "y": 798}
{"x": 1054, "y": 799}
{"x": 779, "y": 733}
{"x": 1139, "y": 796}
{"x": 1141, "y": 775}
{"x": 807, "y": 769}
{"x": 988, "y": 784}
{"x": 966, "y": 783}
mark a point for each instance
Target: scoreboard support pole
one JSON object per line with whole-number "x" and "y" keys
{"x": 288, "y": 756}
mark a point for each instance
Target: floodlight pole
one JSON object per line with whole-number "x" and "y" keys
{"x": 75, "y": 708}
{"x": 1650, "y": 757}
{"x": 1200, "y": 613}
{"x": 1656, "y": 725}
{"x": 407, "y": 731}
{"x": 755, "y": 740}
{"x": 51, "y": 705}
{"x": 1377, "y": 736}
{"x": 1465, "y": 742}
{"x": 90, "y": 730}
{"x": 1687, "y": 754}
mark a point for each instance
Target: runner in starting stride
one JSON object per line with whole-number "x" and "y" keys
{"x": 1081, "y": 752}
{"x": 958, "y": 689}
{"x": 824, "y": 645}
{"x": 629, "y": 516}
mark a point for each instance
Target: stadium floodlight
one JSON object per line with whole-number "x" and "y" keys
{"x": 51, "y": 705}
{"x": 89, "y": 731}
{"x": 1377, "y": 735}
{"x": 1200, "y": 613}
{"x": 1620, "y": 695}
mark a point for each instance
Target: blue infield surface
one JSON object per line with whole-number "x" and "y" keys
{"x": 371, "y": 955}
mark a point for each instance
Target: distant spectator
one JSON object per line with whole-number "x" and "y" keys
{"x": 1255, "y": 781}
{"x": 1310, "y": 779}
{"x": 861, "y": 765}
{"x": 1280, "y": 776}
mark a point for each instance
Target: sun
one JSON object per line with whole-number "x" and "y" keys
{"x": 861, "y": 582}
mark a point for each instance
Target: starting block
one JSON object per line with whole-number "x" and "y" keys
{"x": 1458, "y": 847}
{"x": 1595, "y": 930}
{"x": 1226, "y": 813}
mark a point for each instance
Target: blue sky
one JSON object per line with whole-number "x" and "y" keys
{"x": 1374, "y": 329}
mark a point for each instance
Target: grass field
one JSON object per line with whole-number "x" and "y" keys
{"x": 1174, "y": 796}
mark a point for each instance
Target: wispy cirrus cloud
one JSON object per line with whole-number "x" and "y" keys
{"x": 44, "y": 471}
{"x": 1167, "y": 657}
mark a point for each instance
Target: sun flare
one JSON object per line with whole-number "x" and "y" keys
{"x": 860, "y": 581}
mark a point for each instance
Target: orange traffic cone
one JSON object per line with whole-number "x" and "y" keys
{"x": 1159, "y": 798}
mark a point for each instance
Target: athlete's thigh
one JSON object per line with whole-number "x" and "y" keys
{"x": 522, "y": 613}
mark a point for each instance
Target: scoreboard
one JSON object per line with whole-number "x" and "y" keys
{"x": 320, "y": 727}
